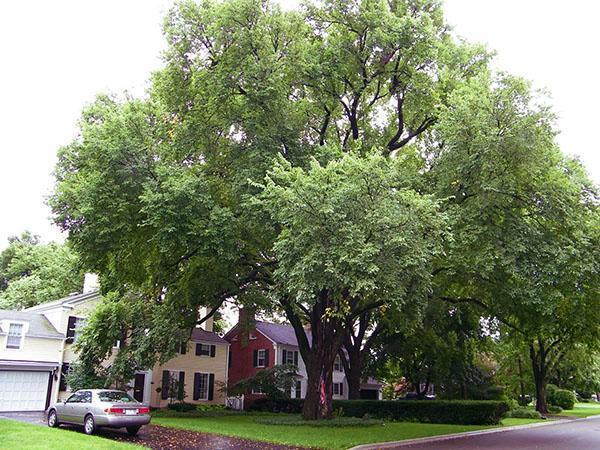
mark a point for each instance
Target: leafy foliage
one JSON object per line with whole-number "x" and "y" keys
{"x": 482, "y": 412}
{"x": 275, "y": 382}
{"x": 33, "y": 273}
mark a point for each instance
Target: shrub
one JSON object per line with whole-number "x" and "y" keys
{"x": 181, "y": 407}
{"x": 336, "y": 422}
{"x": 553, "y": 409}
{"x": 288, "y": 405}
{"x": 561, "y": 397}
{"x": 464, "y": 412}
{"x": 524, "y": 413}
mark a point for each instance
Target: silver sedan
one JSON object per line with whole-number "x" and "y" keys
{"x": 94, "y": 408}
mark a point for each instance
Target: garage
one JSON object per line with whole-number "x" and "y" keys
{"x": 23, "y": 390}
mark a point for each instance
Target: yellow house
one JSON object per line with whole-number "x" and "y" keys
{"x": 201, "y": 364}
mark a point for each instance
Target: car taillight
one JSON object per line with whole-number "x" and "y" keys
{"x": 113, "y": 410}
{"x": 143, "y": 410}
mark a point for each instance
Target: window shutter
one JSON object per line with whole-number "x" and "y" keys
{"x": 296, "y": 359}
{"x": 284, "y": 356}
{"x": 211, "y": 386}
{"x": 164, "y": 392}
{"x": 183, "y": 348}
{"x": 181, "y": 385}
{"x": 255, "y": 355}
{"x": 213, "y": 351}
{"x": 196, "y": 386}
{"x": 198, "y": 349}
{"x": 342, "y": 388}
{"x": 71, "y": 329}
{"x": 64, "y": 371}
{"x": 266, "y": 357}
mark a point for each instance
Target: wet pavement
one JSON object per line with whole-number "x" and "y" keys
{"x": 162, "y": 438}
{"x": 582, "y": 434}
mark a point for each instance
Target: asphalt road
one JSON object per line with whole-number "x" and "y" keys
{"x": 581, "y": 434}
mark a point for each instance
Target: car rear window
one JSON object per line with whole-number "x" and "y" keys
{"x": 115, "y": 396}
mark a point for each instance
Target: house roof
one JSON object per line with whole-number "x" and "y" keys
{"x": 68, "y": 302}
{"x": 39, "y": 325}
{"x": 198, "y": 334}
{"x": 279, "y": 333}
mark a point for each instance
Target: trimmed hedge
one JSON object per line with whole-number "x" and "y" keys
{"x": 463, "y": 412}
{"x": 335, "y": 422}
{"x": 524, "y": 413}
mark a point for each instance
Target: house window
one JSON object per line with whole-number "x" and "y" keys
{"x": 290, "y": 357}
{"x": 201, "y": 386}
{"x": 78, "y": 328}
{"x": 205, "y": 350}
{"x": 257, "y": 390}
{"x": 15, "y": 335}
{"x": 338, "y": 388}
{"x": 296, "y": 390}
{"x": 337, "y": 364}
{"x": 261, "y": 358}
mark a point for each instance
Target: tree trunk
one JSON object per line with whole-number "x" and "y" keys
{"x": 326, "y": 337}
{"x": 522, "y": 400}
{"x": 539, "y": 364}
{"x": 353, "y": 386}
{"x": 311, "y": 409}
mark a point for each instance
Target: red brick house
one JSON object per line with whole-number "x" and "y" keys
{"x": 267, "y": 344}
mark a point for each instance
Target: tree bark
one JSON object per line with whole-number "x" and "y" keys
{"x": 325, "y": 342}
{"x": 539, "y": 364}
{"x": 522, "y": 400}
{"x": 357, "y": 348}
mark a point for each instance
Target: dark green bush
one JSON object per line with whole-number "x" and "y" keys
{"x": 465, "y": 412}
{"x": 182, "y": 407}
{"x": 524, "y": 413}
{"x": 336, "y": 422}
{"x": 553, "y": 409}
{"x": 561, "y": 397}
{"x": 287, "y": 405}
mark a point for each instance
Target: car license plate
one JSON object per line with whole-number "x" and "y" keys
{"x": 131, "y": 412}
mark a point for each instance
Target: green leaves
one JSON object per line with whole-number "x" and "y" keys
{"x": 32, "y": 273}
{"x": 354, "y": 227}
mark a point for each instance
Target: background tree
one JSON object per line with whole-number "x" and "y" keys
{"x": 33, "y": 273}
{"x": 524, "y": 220}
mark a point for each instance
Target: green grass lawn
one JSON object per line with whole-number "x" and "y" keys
{"x": 322, "y": 437}
{"x": 512, "y": 421}
{"x": 583, "y": 410}
{"x": 18, "y": 435}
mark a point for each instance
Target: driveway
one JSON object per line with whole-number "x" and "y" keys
{"x": 161, "y": 438}
{"x": 581, "y": 434}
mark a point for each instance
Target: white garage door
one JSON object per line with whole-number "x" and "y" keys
{"x": 23, "y": 390}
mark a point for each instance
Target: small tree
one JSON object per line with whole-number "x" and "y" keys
{"x": 175, "y": 390}
{"x": 275, "y": 382}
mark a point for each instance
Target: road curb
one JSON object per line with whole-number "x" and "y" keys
{"x": 447, "y": 437}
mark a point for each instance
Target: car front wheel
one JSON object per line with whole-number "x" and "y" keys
{"x": 52, "y": 419}
{"x": 89, "y": 425}
{"x": 132, "y": 431}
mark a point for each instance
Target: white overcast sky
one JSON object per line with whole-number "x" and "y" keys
{"x": 55, "y": 56}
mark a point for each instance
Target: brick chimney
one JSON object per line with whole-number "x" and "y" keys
{"x": 246, "y": 321}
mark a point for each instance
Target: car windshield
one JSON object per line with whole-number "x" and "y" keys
{"x": 115, "y": 396}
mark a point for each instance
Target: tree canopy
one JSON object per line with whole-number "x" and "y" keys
{"x": 326, "y": 162}
{"x": 33, "y": 273}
